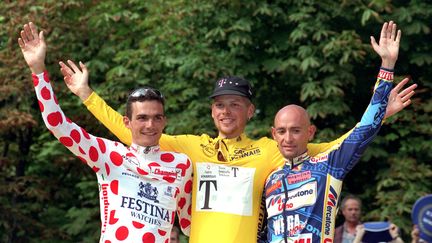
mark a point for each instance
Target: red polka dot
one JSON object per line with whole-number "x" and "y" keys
{"x": 182, "y": 202}
{"x": 85, "y": 134}
{"x": 141, "y": 172}
{"x": 81, "y": 150}
{"x": 116, "y": 158}
{"x": 148, "y": 238}
{"x": 188, "y": 186}
{"x": 107, "y": 241}
{"x": 102, "y": 146}
{"x": 153, "y": 164}
{"x": 112, "y": 219}
{"x": 183, "y": 168}
{"x": 162, "y": 232}
{"x": 184, "y": 223}
{"x": 166, "y": 241}
{"x": 114, "y": 186}
{"x": 169, "y": 179}
{"x": 172, "y": 217}
{"x": 176, "y": 192}
{"x": 41, "y": 106}
{"x": 167, "y": 157}
{"x": 107, "y": 169}
{"x": 189, "y": 210}
{"x": 75, "y": 135}
{"x": 130, "y": 155}
{"x": 66, "y": 141}
{"x": 45, "y": 93}
{"x": 122, "y": 233}
{"x": 35, "y": 80}
{"x": 55, "y": 99}
{"x": 82, "y": 159}
{"x": 46, "y": 77}
{"x": 137, "y": 225}
{"x": 93, "y": 153}
{"x": 68, "y": 120}
{"x": 54, "y": 118}
{"x": 95, "y": 169}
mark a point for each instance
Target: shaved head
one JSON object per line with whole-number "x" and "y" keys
{"x": 292, "y": 130}
{"x": 293, "y": 110}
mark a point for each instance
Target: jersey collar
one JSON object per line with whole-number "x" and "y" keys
{"x": 297, "y": 160}
{"x": 145, "y": 150}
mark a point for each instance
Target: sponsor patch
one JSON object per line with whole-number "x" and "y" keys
{"x": 225, "y": 189}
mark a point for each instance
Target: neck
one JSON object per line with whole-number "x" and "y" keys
{"x": 142, "y": 149}
{"x": 294, "y": 161}
{"x": 351, "y": 226}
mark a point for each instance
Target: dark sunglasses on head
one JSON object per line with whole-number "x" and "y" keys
{"x": 142, "y": 92}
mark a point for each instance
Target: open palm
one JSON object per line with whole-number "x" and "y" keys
{"x": 33, "y": 47}
{"x": 388, "y": 47}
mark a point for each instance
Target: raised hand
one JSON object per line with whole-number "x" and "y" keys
{"x": 76, "y": 80}
{"x": 33, "y": 47}
{"x": 399, "y": 100}
{"x": 388, "y": 47}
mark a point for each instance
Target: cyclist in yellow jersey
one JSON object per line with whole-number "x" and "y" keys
{"x": 229, "y": 170}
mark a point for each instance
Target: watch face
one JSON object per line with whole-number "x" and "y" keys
{"x": 421, "y": 215}
{"x": 376, "y": 232}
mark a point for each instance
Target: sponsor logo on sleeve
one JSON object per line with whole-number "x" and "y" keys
{"x": 333, "y": 189}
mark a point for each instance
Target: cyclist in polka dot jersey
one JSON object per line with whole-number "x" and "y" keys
{"x": 140, "y": 187}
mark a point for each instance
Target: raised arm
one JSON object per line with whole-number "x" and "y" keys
{"x": 33, "y": 47}
{"x": 73, "y": 137}
{"x": 77, "y": 82}
{"x": 388, "y": 50}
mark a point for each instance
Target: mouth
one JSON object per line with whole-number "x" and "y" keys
{"x": 149, "y": 133}
{"x": 226, "y": 120}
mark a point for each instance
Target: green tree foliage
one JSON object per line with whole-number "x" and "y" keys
{"x": 313, "y": 53}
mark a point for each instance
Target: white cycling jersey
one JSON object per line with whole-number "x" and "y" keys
{"x": 140, "y": 188}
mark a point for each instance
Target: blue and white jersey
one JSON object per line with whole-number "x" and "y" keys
{"x": 302, "y": 196}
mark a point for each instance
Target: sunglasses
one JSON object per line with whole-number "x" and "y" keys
{"x": 143, "y": 92}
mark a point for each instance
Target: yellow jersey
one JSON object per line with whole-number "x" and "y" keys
{"x": 228, "y": 176}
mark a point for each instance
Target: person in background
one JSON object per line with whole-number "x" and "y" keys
{"x": 175, "y": 235}
{"x": 351, "y": 210}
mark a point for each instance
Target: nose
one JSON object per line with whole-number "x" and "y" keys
{"x": 288, "y": 137}
{"x": 150, "y": 122}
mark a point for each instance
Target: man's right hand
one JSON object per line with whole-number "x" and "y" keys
{"x": 33, "y": 47}
{"x": 76, "y": 80}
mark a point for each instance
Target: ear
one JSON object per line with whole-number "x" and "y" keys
{"x": 273, "y": 132}
{"x": 126, "y": 122}
{"x": 251, "y": 111}
{"x": 311, "y": 131}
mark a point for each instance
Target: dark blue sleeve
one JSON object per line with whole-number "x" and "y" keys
{"x": 343, "y": 159}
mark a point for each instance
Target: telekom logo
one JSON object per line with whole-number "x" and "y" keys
{"x": 221, "y": 82}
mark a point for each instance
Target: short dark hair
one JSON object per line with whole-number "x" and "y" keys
{"x": 350, "y": 196}
{"x": 143, "y": 94}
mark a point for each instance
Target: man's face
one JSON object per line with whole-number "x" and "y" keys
{"x": 352, "y": 211}
{"x": 230, "y": 114}
{"x": 147, "y": 122}
{"x": 292, "y": 131}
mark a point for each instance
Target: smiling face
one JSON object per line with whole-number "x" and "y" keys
{"x": 292, "y": 131}
{"x": 146, "y": 123}
{"x": 230, "y": 114}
